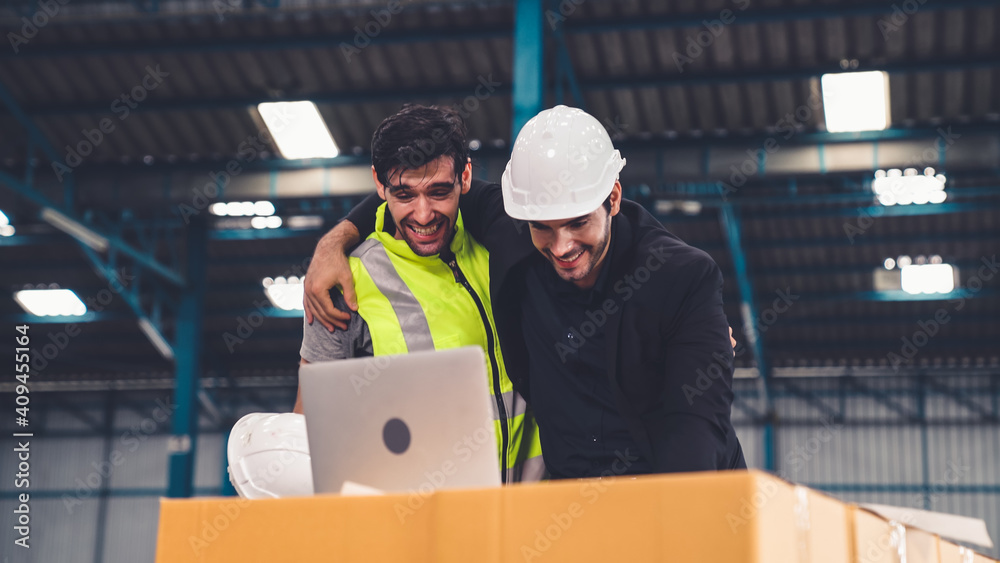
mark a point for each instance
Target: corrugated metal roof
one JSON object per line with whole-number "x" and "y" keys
{"x": 626, "y": 55}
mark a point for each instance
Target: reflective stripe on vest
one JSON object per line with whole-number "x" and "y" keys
{"x": 413, "y": 322}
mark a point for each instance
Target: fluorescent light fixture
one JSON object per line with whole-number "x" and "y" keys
{"x": 242, "y": 209}
{"x": 285, "y": 294}
{"x": 75, "y": 229}
{"x": 928, "y": 278}
{"x": 691, "y": 207}
{"x": 50, "y": 302}
{"x": 272, "y": 222}
{"x": 7, "y": 231}
{"x": 298, "y": 129}
{"x": 305, "y": 222}
{"x": 154, "y": 336}
{"x": 3, "y": 219}
{"x": 664, "y": 206}
{"x": 263, "y": 208}
{"x": 905, "y": 187}
{"x": 856, "y": 101}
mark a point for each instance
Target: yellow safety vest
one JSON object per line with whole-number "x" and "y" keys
{"x": 413, "y": 303}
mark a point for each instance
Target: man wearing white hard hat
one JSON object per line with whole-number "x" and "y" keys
{"x": 613, "y": 328}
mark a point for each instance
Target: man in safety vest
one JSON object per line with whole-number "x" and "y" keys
{"x": 421, "y": 281}
{"x": 613, "y": 327}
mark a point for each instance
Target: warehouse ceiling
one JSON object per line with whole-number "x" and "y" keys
{"x": 691, "y": 91}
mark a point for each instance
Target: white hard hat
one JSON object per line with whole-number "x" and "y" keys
{"x": 563, "y": 166}
{"x": 269, "y": 456}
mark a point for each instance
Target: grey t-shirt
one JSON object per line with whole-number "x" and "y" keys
{"x": 319, "y": 344}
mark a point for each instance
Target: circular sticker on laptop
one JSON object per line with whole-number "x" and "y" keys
{"x": 396, "y": 435}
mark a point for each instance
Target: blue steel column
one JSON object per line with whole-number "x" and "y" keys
{"x": 227, "y": 489}
{"x": 187, "y": 347}
{"x": 529, "y": 62}
{"x": 748, "y": 307}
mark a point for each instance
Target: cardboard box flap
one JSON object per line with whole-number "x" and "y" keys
{"x": 951, "y": 526}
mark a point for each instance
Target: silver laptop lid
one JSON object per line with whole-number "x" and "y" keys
{"x": 420, "y": 421}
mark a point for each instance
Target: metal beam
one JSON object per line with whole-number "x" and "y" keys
{"x": 801, "y": 393}
{"x": 188, "y": 345}
{"x": 960, "y": 397}
{"x": 565, "y": 75}
{"x": 748, "y": 308}
{"x": 706, "y": 193}
{"x": 244, "y": 102}
{"x": 883, "y": 398}
{"x": 782, "y": 14}
{"x": 529, "y": 63}
{"x": 215, "y": 45}
{"x": 133, "y": 299}
{"x": 113, "y": 241}
{"x": 573, "y": 25}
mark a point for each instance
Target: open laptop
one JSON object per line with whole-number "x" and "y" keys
{"x": 420, "y": 421}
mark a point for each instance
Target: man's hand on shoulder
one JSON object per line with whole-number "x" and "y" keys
{"x": 329, "y": 268}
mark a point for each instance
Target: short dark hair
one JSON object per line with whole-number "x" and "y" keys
{"x": 607, "y": 204}
{"x": 416, "y": 135}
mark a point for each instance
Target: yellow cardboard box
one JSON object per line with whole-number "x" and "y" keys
{"x": 739, "y": 516}
{"x": 875, "y": 539}
{"x": 951, "y": 553}
{"x": 922, "y": 547}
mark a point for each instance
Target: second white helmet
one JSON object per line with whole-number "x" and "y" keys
{"x": 269, "y": 456}
{"x": 563, "y": 166}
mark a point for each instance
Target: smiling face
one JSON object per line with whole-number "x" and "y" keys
{"x": 577, "y": 247}
{"x": 424, "y": 203}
